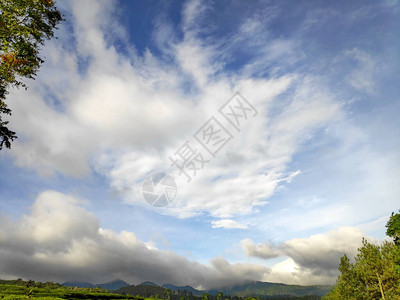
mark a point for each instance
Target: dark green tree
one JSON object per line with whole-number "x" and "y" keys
{"x": 393, "y": 227}
{"x": 24, "y": 27}
{"x": 6, "y": 135}
{"x": 205, "y": 296}
{"x": 169, "y": 293}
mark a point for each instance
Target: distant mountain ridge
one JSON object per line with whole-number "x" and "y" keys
{"x": 79, "y": 284}
{"x": 150, "y": 283}
{"x": 250, "y": 289}
{"x": 183, "y": 288}
{"x": 260, "y": 288}
{"x": 111, "y": 286}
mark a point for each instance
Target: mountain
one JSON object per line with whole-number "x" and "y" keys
{"x": 149, "y": 283}
{"x": 259, "y": 288}
{"x": 145, "y": 289}
{"x": 250, "y": 289}
{"x": 78, "y": 284}
{"x": 183, "y": 288}
{"x": 111, "y": 286}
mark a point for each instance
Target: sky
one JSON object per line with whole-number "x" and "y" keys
{"x": 296, "y": 177}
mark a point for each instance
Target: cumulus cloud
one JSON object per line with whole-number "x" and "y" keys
{"x": 314, "y": 259}
{"x": 323, "y": 251}
{"x": 260, "y": 250}
{"x": 60, "y": 240}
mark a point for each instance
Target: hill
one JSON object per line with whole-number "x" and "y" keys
{"x": 250, "y": 289}
{"x": 149, "y": 283}
{"x": 259, "y": 288}
{"x": 265, "y": 290}
{"x": 21, "y": 289}
{"x": 78, "y": 284}
{"x": 184, "y": 288}
{"x": 144, "y": 290}
{"x": 111, "y": 286}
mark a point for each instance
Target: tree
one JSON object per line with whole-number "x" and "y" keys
{"x": 219, "y": 296}
{"x": 24, "y": 27}
{"x": 374, "y": 275}
{"x": 393, "y": 231}
{"x": 6, "y": 135}
{"x": 393, "y": 227}
{"x": 168, "y": 292}
{"x": 205, "y": 296}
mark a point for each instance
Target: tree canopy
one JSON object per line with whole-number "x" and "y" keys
{"x": 393, "y": 228}
{"x": 24, "y": 27}
{"x": 376, "y": 271}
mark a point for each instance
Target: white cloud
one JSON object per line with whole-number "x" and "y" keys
{"x": 260, "y": 250}
{"x": 61, "y": 240}
{"x": 310, "y": 260}
{"x": 228, "y": 224}
{"x": 123, "y": 116}
{"x": 290, "y": 272}
{"x": 323, "y": 251}
{"x": 362, "y": 77}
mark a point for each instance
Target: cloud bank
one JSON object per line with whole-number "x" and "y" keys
{"x": 60, "y": 239}
{"x": 318, "y": 254}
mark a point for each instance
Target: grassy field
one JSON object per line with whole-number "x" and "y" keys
{"x": 52, "y": 291}
{"x": 20, "y": 289}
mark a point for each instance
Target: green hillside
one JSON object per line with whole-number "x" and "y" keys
{"x": 259, "y": 288}
{"x": 250, "y": 291}
{"x": 20, "y": 289}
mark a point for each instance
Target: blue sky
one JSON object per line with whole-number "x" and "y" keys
{"x": 128, "y": 82}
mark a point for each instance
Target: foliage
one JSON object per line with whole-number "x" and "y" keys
{"x": 6, "y": 135}
{"x": 263, "y": 289}
{"x": 19, "y": 289}
{"x": 205, "y": 296}
{"x": 24, "y": 27}
{"x": 374, "y": 275}
{"x": 146, "y": 290}
{"x": 169, "y": 293}
{"x": 393, "y": 227}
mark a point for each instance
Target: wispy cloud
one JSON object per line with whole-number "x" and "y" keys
{"x": 228, "y": 224}
{"x": 117, "y": 112}
{"x": 362, "y": 76}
